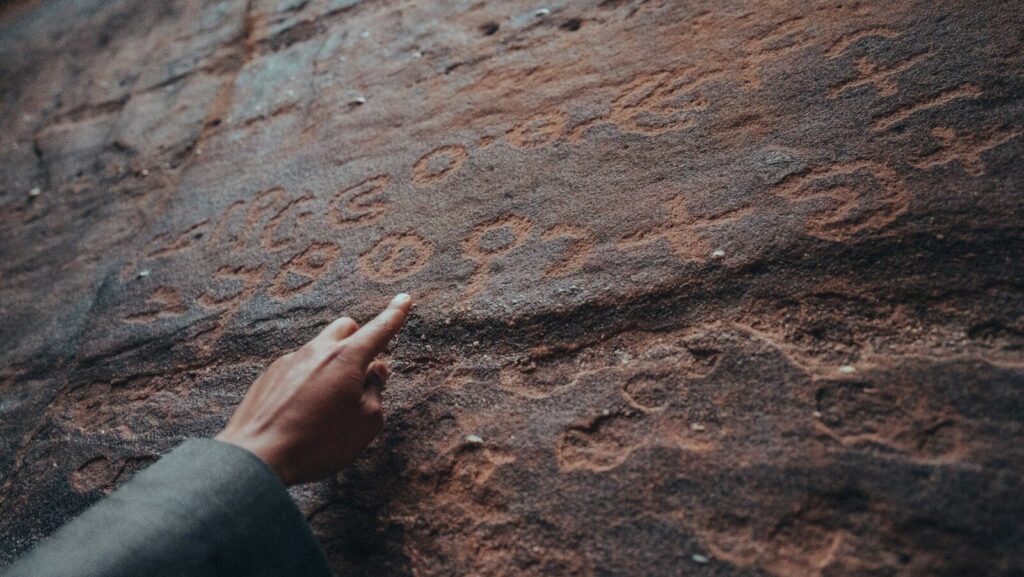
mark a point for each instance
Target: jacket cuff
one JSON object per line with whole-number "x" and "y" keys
{"x": 206, "y": 508}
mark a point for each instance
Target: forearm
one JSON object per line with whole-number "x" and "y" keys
{"x": 207, "y": 508}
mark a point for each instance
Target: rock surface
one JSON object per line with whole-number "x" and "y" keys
{"x": 728, "y": 288}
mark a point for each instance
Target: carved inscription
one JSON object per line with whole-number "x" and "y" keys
{"x": 395, "y": 257}
{"x": 164, "y": 245}
{"x": 942, "y": 99}
{"x": 302, "y": 270}
{"x": 579, "y": 243}
{"x": 438, "y": 164}
{"x": 882, "y": 79}
{"x": 243, "y": 219}
{"x": 363, "y": 203}
{"x": 682, "y": 230}
{"x": 785, "y": 38}
{"x": 848, "y": 41}
{"x": 286, "y": 223}
{"x": 489, "y": 241}
{"x": 654, "y": 103}
{"x": 965, "y": 149}
{"x": 163, "y": 303}
{"x": 847, "y": 198}
{"x": 234, "y": 287}
{"x": 538, "y": 131}
{"x": 600, "y": 445}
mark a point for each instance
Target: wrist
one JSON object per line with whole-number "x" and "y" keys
{"x": 261, "y": 451}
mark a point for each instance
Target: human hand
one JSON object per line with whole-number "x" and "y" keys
{"x": 314, "y": 410}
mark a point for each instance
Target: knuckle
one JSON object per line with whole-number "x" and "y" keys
{"x": 373, "y": 408}
{"x": 345, "y": 324}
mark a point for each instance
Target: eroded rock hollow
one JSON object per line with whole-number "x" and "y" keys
{"x": 728, "y": 288}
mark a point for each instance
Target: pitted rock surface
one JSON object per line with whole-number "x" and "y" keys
{"x": 703, "y": 288}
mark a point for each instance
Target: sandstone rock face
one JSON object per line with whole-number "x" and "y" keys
{"x": 728, "y": 288}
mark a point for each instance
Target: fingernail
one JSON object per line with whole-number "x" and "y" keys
{"x": 400, "y": 299}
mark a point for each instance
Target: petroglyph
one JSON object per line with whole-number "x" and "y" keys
{"x": 164, "y": 302}
{"x": 293, "y": 216}
{"x": 579, "y": 243}
{"x": 847, "y": 41}
{"x": 654, "y": 103}
{"x": 237, "y": 285}
{"x": 682, "y": 231}
{"x": 690, "y": 355}
{"x": 647, "y": 392}
{"x": 620, "y": 187}
{"x": 540, "y": 381}
{"x": 395, "y": 257}
{"x": 848, "y": 198}
{"x": 490, "y": 241}
{"x": 798, "y": 545}
{"x": 438, "y": 164}
{"x": 244, "y": 218}
{"x": 103, "y": 474}
{"x": 96, "y": 474}
{"x": 159, "y": 246}
{"x": 538, "y": 131}
{"x": 228, "y": 231}
{"x": 504, "y": 81}
{"x": 363, "y": 203}
{"x": 859, "y": 414}
{"x": 785, "y": 38}
{"x": 302, "y": 270}
{"x": 474, "y": 466}
{"x": 600, "y": 445}
{"x": 944, "y": 98}
{"x": 965, "y": 149}
{"x": 883, "y": 79}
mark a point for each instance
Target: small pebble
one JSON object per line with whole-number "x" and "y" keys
{"x": 359, "y": 101}
{"x": 143, "y": 273}
{"x": 476, "y": 343}
{"x": 35, "y": 192}
{"x": 145, "y": 172}
{"x": 698, "y": 558}
{"x": 199, "y": 151}
{"x": 816, "y": 414}
{"x": 847, "y": 369}
{"x": 718, "y": 254}
{"x": 474, "y": 440}
{"x": 698, "y": 427}
{"x": 606, "y": 412}
{"x": 541, "y": 13}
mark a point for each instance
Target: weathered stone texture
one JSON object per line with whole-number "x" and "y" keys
{"x": 728, "y": 288}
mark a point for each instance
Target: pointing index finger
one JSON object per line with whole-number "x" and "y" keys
{"x": 371, "y": 340}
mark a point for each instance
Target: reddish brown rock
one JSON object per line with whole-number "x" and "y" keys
{"x": 730, "y": 288}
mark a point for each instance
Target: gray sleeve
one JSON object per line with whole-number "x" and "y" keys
{"x": 207, "y": 508}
